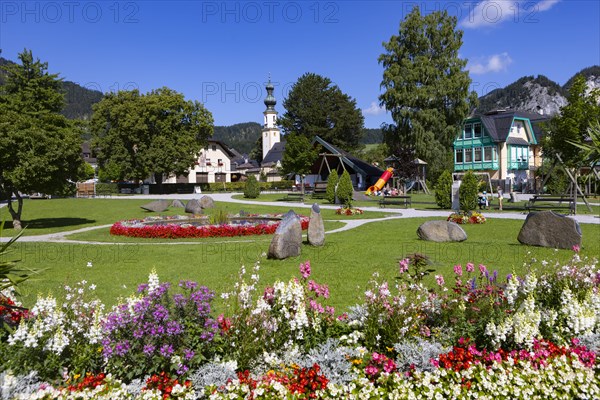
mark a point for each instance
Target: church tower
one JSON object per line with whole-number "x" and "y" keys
{"x": 270, "y": 132}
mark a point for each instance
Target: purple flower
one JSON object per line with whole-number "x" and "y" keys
{"x": 188, "y": 284}
{"x": 305, "y": 270}
{"x": 149, "y": 349}
{"x": 122, "y": 348}
{"x": 142, "y": 287}
{"x": 166, "y": 350}
{"x": 188, "y": 354}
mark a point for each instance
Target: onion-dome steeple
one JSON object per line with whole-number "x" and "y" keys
{"x": 270, "y": 99}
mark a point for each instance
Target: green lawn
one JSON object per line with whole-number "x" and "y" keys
{"x": 346, "y": 263}
{"x": 60, "y": 215}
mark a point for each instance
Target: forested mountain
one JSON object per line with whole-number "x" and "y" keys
{"x": 241, "y": 137}
{"x": 78, "y": 100}
{"x": 372, "y": 136}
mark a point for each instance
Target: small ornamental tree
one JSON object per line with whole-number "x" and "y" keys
{"x": 332, "y": 182}
{"x": 252, "y": 189}
{"x": 467, "y": 193}
{"x": 345, "y": 190}
{"x": 443, "y": 190}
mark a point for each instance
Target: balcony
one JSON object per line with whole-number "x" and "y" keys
{"x": 522, "y": 165}
{"x": 476, "y": 165}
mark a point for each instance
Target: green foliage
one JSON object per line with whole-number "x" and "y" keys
{"x": 375, "y": 154}
{"x": 218, "y": 217}
{"x": 107, "y": 188}
{"x": 241, "y": 137}
{"x": 426, "y": 87}
{"x": 345, "y": 190}
{"x": 40, "y": 149}
{"x": 299, "y": 155}
{"x": 252, "y": 189}
{"x": 467, "y": 193}
{"x": 88, "y": 171}
{"x": 443, "y": 190}
{"x": 157, "y": 133}
{"x": 592, "y": 148}
{"x": 571, "y": 125}
{"x": 332, "y": 182}
{"x": 10, "y": 274}
{"x": 315, "y": 106}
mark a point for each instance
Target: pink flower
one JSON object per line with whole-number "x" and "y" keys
{"x": 389, "y": 366}
{"x": 330, "y": 310}
{"x": 482, "y": 268}
{"x": 576, "y": 248}
{"x": 470, "y": 267}
{"x": 458, "y": 269}
{"x": 305, "y": 269}
{"x": 440, "y": 280}
{"x": 404, "y": 265}
{"x": 371, "y": 370}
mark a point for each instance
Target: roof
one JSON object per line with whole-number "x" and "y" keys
{"x": 357, "y": 164}
{"x": 274, "y": 155}
{"x": 498, "y": 124}
{"x": 226, "y": 148}
{"x": 518, "y": 141}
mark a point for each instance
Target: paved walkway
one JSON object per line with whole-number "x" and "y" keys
{"x": 392, "y": 213}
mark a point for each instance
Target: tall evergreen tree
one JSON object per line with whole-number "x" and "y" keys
{"x": 426, "y": 87}
{"x": 316, "y": 106}
{"x": 40, "y": 150}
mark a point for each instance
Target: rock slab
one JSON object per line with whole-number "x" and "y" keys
{"x": 156, "y": 206}
{"x": 177, "y": 204}
{"x": 193, "y": 207}
{"x": 316, "y": 228}
{"x": 549, "y": 229}
{"x": 207, "y": 202}
{"x": 287, "y": 240}
{"x": 441, "y": 231}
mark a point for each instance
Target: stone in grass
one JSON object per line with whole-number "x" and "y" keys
{"x": 193, "y": 207}
{"x": 549, "y": 229}
{"x": 207, "y": 202}
{"x": 177, "y": 204}
{"x": 156, "y": 206}
{"x": 316, "y": 228}
{"x": 441, "y": 231}
{"x": 287, "y": 240}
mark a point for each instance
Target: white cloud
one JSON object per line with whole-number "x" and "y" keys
{"x": 489, "y": 13}
{"x": 374, "y": 109}
{"x": 493, "y": 63}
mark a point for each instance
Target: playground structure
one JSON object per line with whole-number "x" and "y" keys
{"x": 380, "y": 182}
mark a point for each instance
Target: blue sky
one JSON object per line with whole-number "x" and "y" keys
{"x": 220, "y": 53}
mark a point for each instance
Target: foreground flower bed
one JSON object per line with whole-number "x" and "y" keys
{"x": 349, "y": 211}
{"x": 535, "y": 336}
{"x": 139, "y": 228}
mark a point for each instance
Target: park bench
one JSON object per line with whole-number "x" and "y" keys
{"x": 395, "y": 200}
{"x": 85, "y": 189}
{"x": 539, "y": 202}
{"x": 319, "y": 190}
{"x": 294, "y": 196}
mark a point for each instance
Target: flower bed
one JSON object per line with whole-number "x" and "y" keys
{"x": 467, "y": 218}
{"x": 535, "y": 336}
{"x": 177, "y": 230}
{"x": 348, "y": 211}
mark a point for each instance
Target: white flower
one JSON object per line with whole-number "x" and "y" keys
{"x": 89, "y": 264}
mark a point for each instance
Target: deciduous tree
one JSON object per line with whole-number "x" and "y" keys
{"x": 299, "y": 156}
{"x": 40, "y": 149}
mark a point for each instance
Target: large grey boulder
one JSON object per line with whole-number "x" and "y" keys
{"x": 177, "y": 204}
{"x": 548, "y": 229}
{"x": 207, "y": 202}
{"x": 287, "y": 240}
{"x": 156, "y": 206}
{"x": 193, "y": 207}
{"x": 441, "y": 231}
{"x": 316, "y": 228}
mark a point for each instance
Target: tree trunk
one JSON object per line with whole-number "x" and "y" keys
{"x": 16, "y": 215}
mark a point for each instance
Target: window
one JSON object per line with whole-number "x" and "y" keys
{"x": 468, "y": 155}
{"x": 468, "y": 133}
{"x": 208, "y": 163}
{"x": 477, "y": 130}
{"x": 201, "y": 177}
{"x": 220, "y": 162}
{"x": 459, "y": 156}
{"x": 477, "y": 152}
{"x": 488, "y": 154}
{"x": 214, "y": 147}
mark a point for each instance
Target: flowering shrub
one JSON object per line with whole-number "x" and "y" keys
{"x": 348, "y": 211}
{"x": 138, "y": 228}
{"x": 471, "y": 217}
{"x": 156, "y": 332}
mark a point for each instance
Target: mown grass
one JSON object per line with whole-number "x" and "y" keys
{"x": 345, "y": 263}
{"x": 60, "y": 215}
